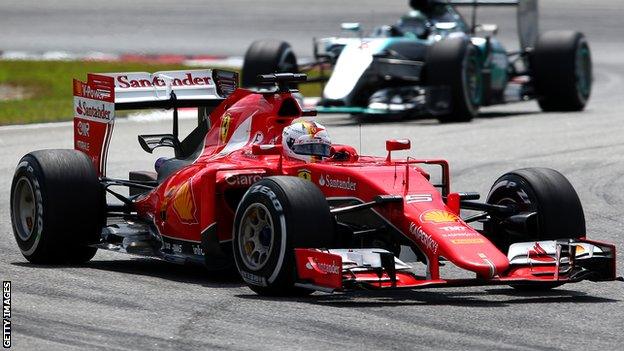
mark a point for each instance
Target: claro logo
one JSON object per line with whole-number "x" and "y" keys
{"x": 243, "y": 179}
{"x": 123, "y": 81}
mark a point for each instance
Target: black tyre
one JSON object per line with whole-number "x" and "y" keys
{"x": 562, "y": 71}
{"x": 267, "y": 56}
{"x": 455, "y": 63}
{"x": 56, "y": 207}
{"x": 541, "y": 190}
{"x": 276, "y": 215}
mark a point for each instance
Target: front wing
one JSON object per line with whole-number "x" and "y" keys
{"x": 545, "y": 262}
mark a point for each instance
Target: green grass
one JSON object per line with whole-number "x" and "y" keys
{"x": 49, "y": 86}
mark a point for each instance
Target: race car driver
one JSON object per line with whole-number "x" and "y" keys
{"x": 306, "y": 141}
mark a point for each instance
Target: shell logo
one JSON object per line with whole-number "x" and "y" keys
{"x": 226, "y": 120}
{"x": 438, "y": 216}
{"x": 184, "y": 204}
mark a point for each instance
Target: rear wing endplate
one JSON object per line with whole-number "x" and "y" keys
{"x": 97, "y": 99}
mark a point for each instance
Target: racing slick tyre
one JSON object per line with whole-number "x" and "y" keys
{"x": 275, "y": 216}
{"x": 265, "y": 57}
{"x": 56, "y": 207}
{"x": 455, "y": 63}
{"x": 562, "y": 71}
{"x": 559, "y": 213}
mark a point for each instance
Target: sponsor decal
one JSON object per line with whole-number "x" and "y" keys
{"x": 424, "y": 238}
{"x": 197, "y": 250}
{"x": 83, "y": 128}
{"x": 6, "y": 314}
{"x": 304, "y": 174}
{"x": 467, "y": 241}
{"x": 344, "y": 184}
{"x": 123, "y": 81}
{"x": 184, "y": 203}
{"x": 455, "y": 231}
{"x": 452, "y": 228}
{"x": 226, "y": 120}
{"x": 94, "y": 109}
{"x": 330, "y": 268}
{"x": 84, "y": 90}
{"x": 418, "y": 198}
{"x": 242, "y": 179}
{"x": 82, "y": 145}
{"x": 537, "y": 253}
{"x": 458, "y": 235}
{"x": 438, "y": 216}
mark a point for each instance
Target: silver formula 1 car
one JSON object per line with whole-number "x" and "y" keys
{"x": 434, "y": 62}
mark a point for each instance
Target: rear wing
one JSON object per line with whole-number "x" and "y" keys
{"x": 97, "y": 99}
{"x": 193, "y": 88}
{"x": 527, "y": 16}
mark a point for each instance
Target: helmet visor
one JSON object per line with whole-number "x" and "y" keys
{"x": 312, "y": 149}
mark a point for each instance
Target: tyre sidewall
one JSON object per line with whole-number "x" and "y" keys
{"x": 29, "y": 169}
{"x": 279, "y": 256}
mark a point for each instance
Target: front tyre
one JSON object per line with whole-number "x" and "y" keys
{"x": 454, "y": 63}
{"x": 562, "y": 71}
{"x": 275, "y": 216}
{"x": 56, "y": 207}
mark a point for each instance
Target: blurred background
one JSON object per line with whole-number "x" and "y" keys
{"x": 228, "y": 27}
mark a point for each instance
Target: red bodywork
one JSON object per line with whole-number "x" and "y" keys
{"x": 194, "y": 202}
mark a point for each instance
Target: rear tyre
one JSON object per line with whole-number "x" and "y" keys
{"x": 541, "y": 190}
{"x": 562, "y": 71}
{"x": 455, "y": 63}
{"x": 56, "y": 207}
{"x": 265, "y": 57}
{"x": 275, "y": 216}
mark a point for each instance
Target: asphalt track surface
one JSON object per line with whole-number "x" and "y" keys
{"x": 124, "y": 302}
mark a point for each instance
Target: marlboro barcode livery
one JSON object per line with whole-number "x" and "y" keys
{"x": 260, "y": 186}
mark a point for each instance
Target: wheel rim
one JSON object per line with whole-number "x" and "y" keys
{"x": 257, "y": 236}
{"x": 472, "y": 80}
{"x": 583, "y": 72}
{"x": 24, "y": 208}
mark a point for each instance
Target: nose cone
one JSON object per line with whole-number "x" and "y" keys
{"x": 444, "y": 234}
{"x": 487, "y": 265}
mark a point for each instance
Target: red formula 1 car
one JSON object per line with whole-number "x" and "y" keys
{"x": 232, "y": 195}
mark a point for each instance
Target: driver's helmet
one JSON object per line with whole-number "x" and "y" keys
{"x": 306, "y": 140}
{"x": 414, "y": 22}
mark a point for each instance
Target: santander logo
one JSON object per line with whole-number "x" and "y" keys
{"x": 97, "y": 110}
{"x": 123, "y": 81}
